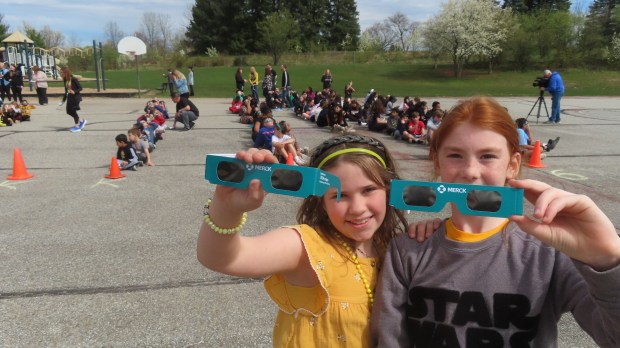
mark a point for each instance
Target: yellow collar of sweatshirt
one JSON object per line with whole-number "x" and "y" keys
{"x": 455, "y": 234}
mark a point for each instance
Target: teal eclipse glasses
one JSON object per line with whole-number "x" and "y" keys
{"x": 274, "y": 177}
{"x": 480, "y": 200}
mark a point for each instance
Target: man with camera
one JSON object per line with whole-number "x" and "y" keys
{"x": 555, "y": 87}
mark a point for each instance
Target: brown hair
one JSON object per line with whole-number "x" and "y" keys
{"x": 312, "y": 211}
{"x": 134, "y": 131}
{"x": 482, "y": 112}
{"x": 66, "y": 73}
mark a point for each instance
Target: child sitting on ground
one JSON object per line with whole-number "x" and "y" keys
{"x": 525, "y": 136}
{"x": 11, "y": 113}
{"x": 392, "y": 122}
{"x": 26, "y": 110}
{"x": 125, "y": 155}
{"x": 416, "y": 131}
{"x": 141, "y": 147}
{"x": 284, "y": 143}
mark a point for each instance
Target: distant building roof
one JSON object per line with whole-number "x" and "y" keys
{"x": 17, "y": 37}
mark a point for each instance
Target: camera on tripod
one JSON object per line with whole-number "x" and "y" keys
{"x": 540, "y": 81}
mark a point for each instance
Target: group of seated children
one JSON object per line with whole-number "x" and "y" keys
{"x": 326, "y": 109}
{"x": 412, "y": 121}
{"x": 14, "y": 112}
{"x": 134, "y": 149}
{"x": 266, "y": 134}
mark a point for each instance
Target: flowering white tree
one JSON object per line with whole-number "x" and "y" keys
{"x": 614, "y": 48}
{"x": 466, "y": 28}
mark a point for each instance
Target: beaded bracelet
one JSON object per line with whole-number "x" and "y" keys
{"x": 218, "y": 229}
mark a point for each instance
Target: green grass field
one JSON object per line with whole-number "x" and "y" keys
{"x": 396, "y": 79}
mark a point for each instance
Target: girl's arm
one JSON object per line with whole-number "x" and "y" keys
{"x": 277, "y": 251}
{"x": 571, "y": 223}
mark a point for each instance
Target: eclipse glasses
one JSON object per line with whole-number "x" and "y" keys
{"x": 299, "y": 181}
{"x": 480, "y": 200}
{"x": 274, "y": 177}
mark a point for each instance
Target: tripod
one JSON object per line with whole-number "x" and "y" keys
{"x": 540, "y": 101}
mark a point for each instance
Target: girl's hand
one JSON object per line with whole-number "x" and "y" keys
{"x": 571, "y": 223}
{"x": 421, "y": 231}
{"x": 232, "y": 201}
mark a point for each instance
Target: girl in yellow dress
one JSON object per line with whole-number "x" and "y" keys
{"x": 322, "y": 272}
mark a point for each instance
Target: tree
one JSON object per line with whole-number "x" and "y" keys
{"x": 465, "y": 28}
{"x": 150, "y": 29}
{"x": 52, "y": 38}
{"x": 280, "y": 33}
{"x": 34, "y": 35}
{"x": 164, "y": 31}
{"x": 400, "y": 25}
{"x": 526, "y": 6}
{"x": 4, "y": 28}
{"x": 382, "y": 35}
{"x": 342, "y": 25}
{"x": 221, "y": 24}
{"x": 113, "y": 33}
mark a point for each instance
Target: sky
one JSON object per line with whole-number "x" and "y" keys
{"x": 83, "y": 21}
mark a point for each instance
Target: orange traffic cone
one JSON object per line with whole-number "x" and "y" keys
{"x": 19, "y": 168}
{"x": 115, "y": 171}
{"x": 289, "y": 159}
{"x": 535, "y": 161}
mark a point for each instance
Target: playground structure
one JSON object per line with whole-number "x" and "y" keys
{"x": 19, "y": 49}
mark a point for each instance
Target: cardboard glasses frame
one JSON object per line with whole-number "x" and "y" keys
{"x": 479, "y": 200}
{"x": 277, "y": 178}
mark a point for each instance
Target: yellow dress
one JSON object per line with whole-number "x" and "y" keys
{"x": 335, "y": 313}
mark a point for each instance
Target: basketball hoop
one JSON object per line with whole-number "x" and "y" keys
{"x": 132, "y": 47}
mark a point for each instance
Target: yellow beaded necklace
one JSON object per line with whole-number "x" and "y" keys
{"x": 353, "y": 257}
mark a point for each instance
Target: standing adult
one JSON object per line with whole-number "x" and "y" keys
{"x": 180, "y": 82}
{"x": 555, "y": 87}
{"x": 170, "y": 79}
{"x": 190, "y": 80}
{"x": 274, "y": 75}
{"x": 39, "y": 80}
{"x": 73, "y": 98}
{"x": 254, "y": 83}
{"x": 239, "y": 80}
{"x": 186, "y": 113}
{"x": 327, "y": 79}
{"x": 5, "y": 77}
{"x": 286, "y": 86}
{"x": 268, "y": 84}
{"x": 17, "y": 82}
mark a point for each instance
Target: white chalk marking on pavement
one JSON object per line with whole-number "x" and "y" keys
{"x": 560, "y": 173}
{"x": 9, "y": 184}
{"x": 105, "y": 181}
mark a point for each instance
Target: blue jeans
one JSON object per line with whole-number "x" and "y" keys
{"x": 255, "y": 92}
{"x": 555, "y": 107}
{"x": 285, "y": 96}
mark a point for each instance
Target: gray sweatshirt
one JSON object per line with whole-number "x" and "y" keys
{"x": 509, "y": 290}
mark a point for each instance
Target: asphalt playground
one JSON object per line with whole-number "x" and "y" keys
{"x": 90, "y": 262}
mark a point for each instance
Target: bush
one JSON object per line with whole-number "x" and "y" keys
{"x": 239, "y": 61}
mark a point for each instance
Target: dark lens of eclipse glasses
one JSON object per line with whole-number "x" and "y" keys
{"x": 481, "y": 200}
{"x": 230, "y": 171}
{"x": 419, "y": 196}
{"x": 284, "y": 179}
